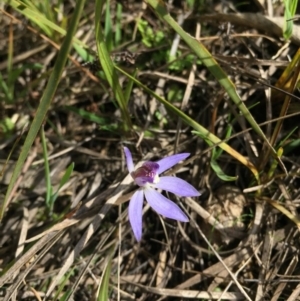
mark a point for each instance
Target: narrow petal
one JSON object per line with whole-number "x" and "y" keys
{"x": 177, "y": 186}
{"x": 129, "y": 161}
{"x": 170, "y": 161}
{"x": 164, "y": 206}
{"x": 135, "y": 212}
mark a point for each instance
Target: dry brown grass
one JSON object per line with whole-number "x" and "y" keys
{"x": 253, "y": 248}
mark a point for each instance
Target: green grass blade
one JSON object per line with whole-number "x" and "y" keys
{"x": 205, "y": 56}
{"x": 103, "y": 292}
{"x": 62, "y": 182}
{"x": 108, "y": 67}
{"x": 108, "y": 31}
{"x": 47, "y": 170}
{"x": 89, "y": 116}
{"x": 65, "y": 178}
{"x": 118, "y": 26}
{"x": 31, "y": 12}
{"x": 45, "y": 100}
{"x": 38, "y": 18}
{"x": 104, "y": 283}
{"x": 216, "y": 153}
{"x": 63, "y": 285}
{"x": 66, "y": 175}
{"x": 288, "y": 24}
{"x": 290, "y": 7}
{"x": 129, "y": 87}
{"x": 291, "y": 146}
{"x": 219, "y": 172}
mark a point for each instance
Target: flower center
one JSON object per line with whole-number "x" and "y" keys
{"x": 145, "y": 174}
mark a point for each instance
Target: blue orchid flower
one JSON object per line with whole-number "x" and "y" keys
{"x": 147, "y": 177}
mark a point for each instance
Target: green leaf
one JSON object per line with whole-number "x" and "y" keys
{"x": 7, "y": 125}
{"x": 215, "y": 155}
{"x": 89, "y": 116}
{"x": 289, "y": 13}
{"x": 129, "y": 87}
{"x": 104, "y": 283}
{"x": 103, "y": 292}
{"x": 65, "y": 178}
{"x": 62, "y": 182}
{"x": 288, "y": 24}
{"x": 292, "y": 146}
{"x": 83, "y": 53}
{"x": 219, "y": 172}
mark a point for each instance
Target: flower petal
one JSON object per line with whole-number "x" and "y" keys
{"x": 164, "y": 206}
{"x": 135, "y": 213}
{"x": 129, "y": 161}
{"x": 170, "y": 161}
{"x": 176, "y": 186}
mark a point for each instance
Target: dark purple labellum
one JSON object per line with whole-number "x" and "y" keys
{"x": 146, "y": 173}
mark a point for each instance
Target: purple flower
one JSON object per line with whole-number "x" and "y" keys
{"x": 147, "y": 177}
